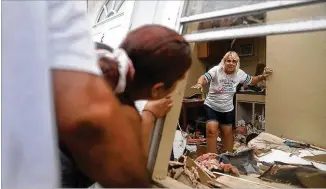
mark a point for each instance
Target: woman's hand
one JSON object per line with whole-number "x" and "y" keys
{"x": 267, "y": 72}
{"x": 159, "y": 107}
{"x": 198, "y": 86}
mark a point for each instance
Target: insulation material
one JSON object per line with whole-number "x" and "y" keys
{"x": 179, "y": 144}
{"x": 310, "y": 152}
{"x": 284, "y": 157}
{"x": 280, "y": 156}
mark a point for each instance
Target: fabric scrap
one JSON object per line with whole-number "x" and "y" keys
{"x": 264, "y": 142}
{"x": 244, "y": 161}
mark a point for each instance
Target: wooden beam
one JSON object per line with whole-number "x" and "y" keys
{"x": 160, "y": 169}
{"x": 168, "y": 182}
{"x": 236, "y": 182}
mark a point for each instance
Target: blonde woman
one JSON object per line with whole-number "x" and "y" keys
{"x": 219, "y": 108}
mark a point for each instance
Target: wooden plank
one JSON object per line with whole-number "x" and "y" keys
{"x": 254, "y": 178}
{"x": 204, "y": 177}
{"x": 168, "y": 182}
{"x": 160, "y": 169}
{"x": 236, "y": 182}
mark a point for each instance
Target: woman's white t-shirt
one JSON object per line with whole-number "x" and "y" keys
{"x": 223, "y": 87}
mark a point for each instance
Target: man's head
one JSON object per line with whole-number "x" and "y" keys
{"x": 160, "y": 56}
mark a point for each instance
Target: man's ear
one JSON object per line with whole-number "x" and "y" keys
{"x": 110, "y": 71}
{"x": 157, "y": 89}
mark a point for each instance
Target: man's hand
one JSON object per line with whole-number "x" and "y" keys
{"x": 159, "y": 107}
{"x": 198, "y": 86}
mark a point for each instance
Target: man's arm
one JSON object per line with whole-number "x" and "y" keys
{"x": 92, "y": 125}
{"x": 90, "y": 120}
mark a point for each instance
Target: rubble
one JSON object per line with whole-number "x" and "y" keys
{"x": 251, "y": 152}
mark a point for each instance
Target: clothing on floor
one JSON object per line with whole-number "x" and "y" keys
{"x": 264, "y": 142}
{"x": 244, "y": 161}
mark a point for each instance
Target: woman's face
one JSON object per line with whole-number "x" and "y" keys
{"x": 230, "y": 64}
{"x": 159, "y": 91}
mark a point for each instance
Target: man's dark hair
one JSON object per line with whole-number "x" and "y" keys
{"x": 103, "y": 46}
{"x": 158, "y": 53}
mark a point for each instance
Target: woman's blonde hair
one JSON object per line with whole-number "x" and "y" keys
{"x": 235, "y": 56}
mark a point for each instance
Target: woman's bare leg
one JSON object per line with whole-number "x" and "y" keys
{"x": 211, "y": 136}
{"x": 227, "y": 137}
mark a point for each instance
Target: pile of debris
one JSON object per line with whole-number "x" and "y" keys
{"x": 267, "y": 159}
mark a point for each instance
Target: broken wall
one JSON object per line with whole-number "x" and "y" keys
{"x": 295, "y": 100}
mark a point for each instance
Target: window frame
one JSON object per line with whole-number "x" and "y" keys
{"x": 307, "y": 25}
{"x": 254, "y": 8}
{"x": 261, "y": 30}
{"x": 111, "y": 17}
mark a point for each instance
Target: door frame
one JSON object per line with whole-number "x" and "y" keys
{"x": 114, "y": 21}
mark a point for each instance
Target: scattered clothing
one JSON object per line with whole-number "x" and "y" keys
{"x": 250, "y": 137}
{"x": 264, "y": 142}
{"x": 244, "y": 161}
{"x": 209, "y": 161}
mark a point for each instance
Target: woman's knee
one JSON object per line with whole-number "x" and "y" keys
{"x": 227, "y": 131}
{"x": 212, "y": 128}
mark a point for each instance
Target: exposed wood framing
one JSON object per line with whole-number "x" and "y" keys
{"x": 168, "y": 182}
{"x": 160, "y": 169}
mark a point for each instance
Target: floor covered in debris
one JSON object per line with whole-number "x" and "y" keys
{"x": 259, "y": 160}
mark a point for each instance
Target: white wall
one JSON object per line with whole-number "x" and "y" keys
{"x": 143, "y": 12}
{"x": 155, "y": 12}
